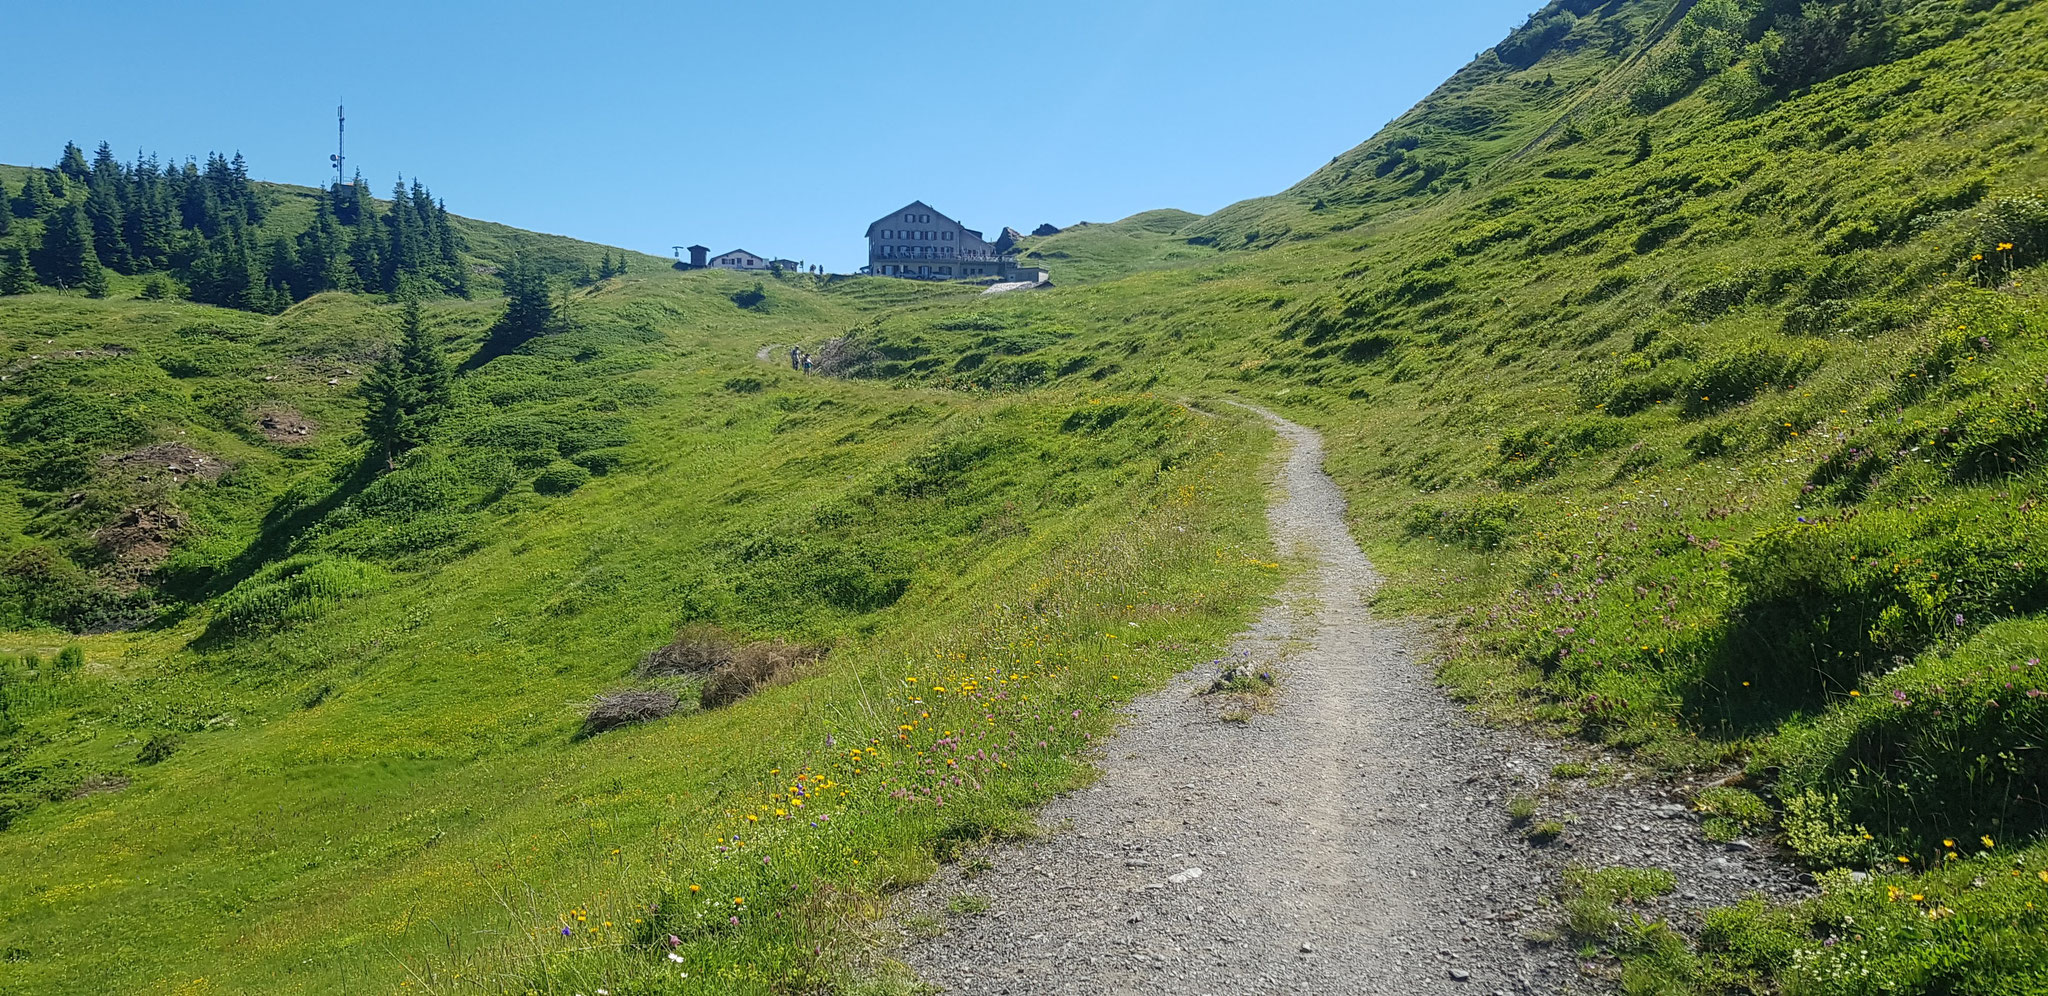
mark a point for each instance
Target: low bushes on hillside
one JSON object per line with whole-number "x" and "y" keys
{"x": 1827, "y": 602}
{"x": 1945, "y": 749}
{"x": 754, "y": 666}
{"x": 292, "y": 591}
{"x": 1483, "y": 523}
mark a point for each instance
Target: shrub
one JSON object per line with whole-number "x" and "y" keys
{"x": 1817, "y": 605}
{"x": 292, "y": 591}
{"x": 1946, "y": 748}
{"x": 560, "y": 478}
{"x": 2008, "y": 233}
{"x": 1742, "y": 373}
{"x": 71, "y": 658}
{"x": 626, "y": 707}
{"x": 87, "y": 418}
{"x": 40, "y": 586}
{"x": 1819, "y": 831}
{"x": 600, "y": 462}
{"x": 1543, "y": 450}
{"x": 1482, "y": 523}
{"x": 158, "y": 748}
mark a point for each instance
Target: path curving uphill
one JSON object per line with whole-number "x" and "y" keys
{"x": 1353, "y": 840}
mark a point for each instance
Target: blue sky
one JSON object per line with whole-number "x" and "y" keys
{"x": 783, "y": 128}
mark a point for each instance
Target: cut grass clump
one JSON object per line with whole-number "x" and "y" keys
{"x": 968, "y": 904}
{"x": 1546, "y": 832}
{"x": 1731, "y": 812}
{"x": 1569, "y": 769}
{"x": 1522, "y": 808}
{"x": 696, "y": 650}
{"x": 626, "y": 707}
{"x": 754, "y": 666}
{"x": 1593, "y": 897}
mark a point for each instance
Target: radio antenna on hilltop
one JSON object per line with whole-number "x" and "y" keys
{"x": 340, "y": 132}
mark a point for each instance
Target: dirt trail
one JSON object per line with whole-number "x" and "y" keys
{"x": 1354, "y": 840}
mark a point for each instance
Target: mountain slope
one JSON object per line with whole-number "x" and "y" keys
{"x": 1688, "y": 364}
{"x": 1682, "y": 359}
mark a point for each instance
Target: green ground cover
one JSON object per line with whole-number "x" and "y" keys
{"x": 1684, "y": 359}
{"x": 351, "y": 735}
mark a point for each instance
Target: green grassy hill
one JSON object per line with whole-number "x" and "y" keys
{"x": 1683, "y": 358}
{"x": 354, "y": 721}
{"x": 1686, "y": 359}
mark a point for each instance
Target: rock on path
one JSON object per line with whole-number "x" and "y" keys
{"x": 1354, "y": 840}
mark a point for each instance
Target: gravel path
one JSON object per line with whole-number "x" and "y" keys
{"x": 1351, "y": 840}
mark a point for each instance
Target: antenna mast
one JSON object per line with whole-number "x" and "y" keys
{"x": 340, "y": 133}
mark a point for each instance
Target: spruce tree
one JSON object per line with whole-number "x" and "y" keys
{"x": 529, "y": 308}
{"x": 35, "y": 200}
{"x": 104, "y": 165}
{"x": 71, "y": 163}
{"x": 96, "y": 282}
{"x": 6, "y": 209}
{"x": 409, "y": 389}
{"x": 604, "y": 269}
{"x": 16, "y": 277}
{"x": 109, "y": 223}
{"x": 67, "y": 255}
{"x": 432, "y": 379}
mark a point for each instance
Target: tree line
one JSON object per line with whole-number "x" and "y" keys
{"x": 211, "y": 228}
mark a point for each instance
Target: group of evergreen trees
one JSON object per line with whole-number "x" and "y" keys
{"x": 605, "y": 271}
{"x": 208, "y": 226}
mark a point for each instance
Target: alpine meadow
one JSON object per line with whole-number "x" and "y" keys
{"x": 400, "y": 602}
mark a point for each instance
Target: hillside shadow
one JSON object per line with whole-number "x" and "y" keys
{"x": 281, "y": 526}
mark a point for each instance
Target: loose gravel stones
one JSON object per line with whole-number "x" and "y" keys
{"x": 1353, "y": 840}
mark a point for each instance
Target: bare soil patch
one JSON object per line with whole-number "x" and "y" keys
{"x": 137, "y": 541}
{"x": 174, "y": 463}
{"x": 284, "y": 425}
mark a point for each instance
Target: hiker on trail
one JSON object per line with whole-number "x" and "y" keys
{"x": 793, "y": 354}
{"x": 807, "y": 363}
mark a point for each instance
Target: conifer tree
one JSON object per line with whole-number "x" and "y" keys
{"x": 16, "y": 277}
{"x": 604, "y": 269}
{"x": 6, "y": 209}
{"x": 283, "y": 272}
{"x": 35, "y": 200}
{"x": 409, "y": 390}
{"x": 67, "y": 254}
{"x": 109, "y": 222}
{"x": 104, "y": 166}
{"x": 96, "y": 282}
{"x": 71, "y": 163}
{"x": 529, "y": 308}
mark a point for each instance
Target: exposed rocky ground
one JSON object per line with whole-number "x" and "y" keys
{"x": 1352, "y": 837}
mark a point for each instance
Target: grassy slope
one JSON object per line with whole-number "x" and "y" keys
{"x": 1089, "y": 252}
{"x": 1724, "y": 452}
{"x": 345, "y": 795}
{"x": 1502, "y": 333}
